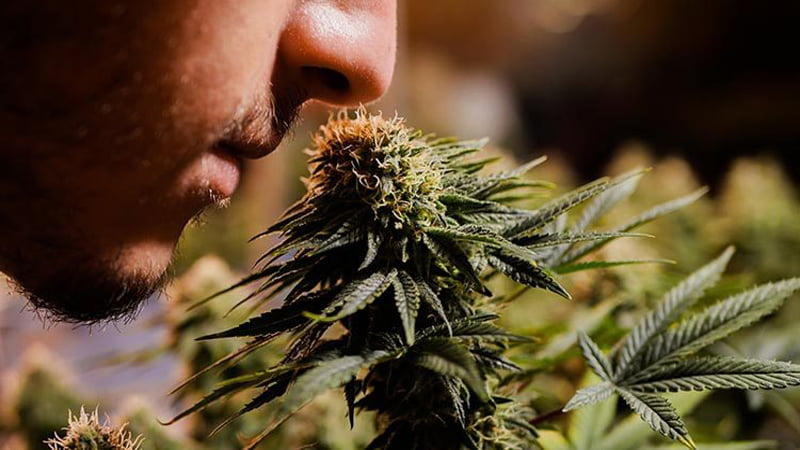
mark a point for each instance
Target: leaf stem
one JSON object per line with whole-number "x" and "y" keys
{"x": 547, "y": 416}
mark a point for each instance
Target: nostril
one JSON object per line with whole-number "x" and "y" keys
{"x": 328, "y": 79}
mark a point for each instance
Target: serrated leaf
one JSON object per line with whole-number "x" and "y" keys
{"x": 229, "y": 387}
{"x": 494, "y": 362}
{"x": 455, "y": 389}
{"x": 349, "y": 233}
{"x": 659, "y": 414}
{"x": 374, "y": 241}
{"x": 675, "y": 302}
{"x": 279, "y": 319}
{"x": 456, "y": 326}
{"x": 406, "y": 296}
{"x": 719, "y": 373}
{"x": 457, "y": 203}
{"x": 646, "y": 217}
{"x": 590, "y": 395}
{"x": 430, "y": 297}
{"x": 620, "y": 190}
{"x": 551, "y": 211}
{"x": 272, "y": 391}
{"x": 595, "y": 358}
{"x": 482, "y": 187}
{"x": 469, "y": 233}
{"x": 632, "y": 433}
{"x": 447, "y": 357}
{"x": 476, "y": 331}
{"x": 534, "y": 242}
{"x": 525, "y": 272}
{"x": 356, "y": 295}
{"x": 327, "y": 375}
{"x": 449, "y": 251}
{"x": 594, "y": 265}
{"x": 717, "y": 322}
{"x": 588, "y": 425}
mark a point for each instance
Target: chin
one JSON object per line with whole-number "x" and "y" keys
{"x": 108, "y": 289}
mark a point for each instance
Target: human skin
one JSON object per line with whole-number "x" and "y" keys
{"x": 120, "y": 121}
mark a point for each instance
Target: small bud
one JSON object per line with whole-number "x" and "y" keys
{"x": 85, "y": 432}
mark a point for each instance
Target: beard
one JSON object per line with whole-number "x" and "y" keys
{"x": 67, "y": 280}
{"x": 92, "y": 296}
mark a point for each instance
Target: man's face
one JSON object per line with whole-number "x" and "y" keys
{"x": 120, "y": 120}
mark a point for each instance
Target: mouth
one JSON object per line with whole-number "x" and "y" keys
{"x": 247, "y": 139}
{"x": 222, "y": 166}
{"x": 222, "y": 170}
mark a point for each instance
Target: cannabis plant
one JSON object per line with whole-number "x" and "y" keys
{"x": 660, "y": 354}
{"x": 383, "y": 271}
{"x": 86, "y": 432}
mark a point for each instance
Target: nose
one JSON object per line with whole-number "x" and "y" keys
{"x": 342, "y": 51}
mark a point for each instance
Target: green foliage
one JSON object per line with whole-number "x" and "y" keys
{"x": 394, "y": 244}
{"x": 658, "y": 355}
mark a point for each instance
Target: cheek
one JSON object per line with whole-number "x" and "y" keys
{"x": 222, "y": 65}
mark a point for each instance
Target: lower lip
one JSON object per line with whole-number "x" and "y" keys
{"x": 221, "y": 173}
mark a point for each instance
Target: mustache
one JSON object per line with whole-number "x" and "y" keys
{"x": 262, "y": 125}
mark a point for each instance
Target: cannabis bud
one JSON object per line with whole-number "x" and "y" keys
{"x": 85, "y": 432}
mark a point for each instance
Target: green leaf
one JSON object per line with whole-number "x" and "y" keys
{"x": 456, "y": 326}
{"x": 590, "y": 395}
{"x": 349, "y": 233}
{"x": 555, "y": 239}
{"x": 594, "y": 265}
{"x": 659, "y": 414}
{"x": 588, "y": 425}
{"x": 448, "y": 357}
{"x": 469, "y": 233}
{"x": 274, "y": 389}
{"x": 430, "y": 297}
{"x": 279, "y": 319}
{"x": 621, "y": 188}
{"x": 327, "y": 375}
{"x": 374, "y": 241}
{"x": 595, "y": 358}
{"x": 632, "y": 433}
{"x": 525, "y": 272}
{"x": 356, "y": 296}
{"x": 720, "y": 373}
{"x": 474, "y": 331}
{"x": 675, "y": 302}
{"x": 646, "y": 217}
{"x": 229, "y": 387}
{"x": 406, "y": 296}
{"x": 551, "y": 211}
{"x": 457, "y": 203}
{"x": 717, "y": 322}
{"x": 449, "y": 251}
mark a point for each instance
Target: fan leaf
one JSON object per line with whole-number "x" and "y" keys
{"x": 675, "y": 302}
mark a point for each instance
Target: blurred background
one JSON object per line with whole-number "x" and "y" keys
{"x": 708, "y": 92}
